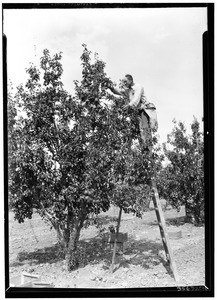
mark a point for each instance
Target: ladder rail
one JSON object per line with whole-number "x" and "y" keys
{"x": 116, "y": 238}
{"x": 163, "y": 230}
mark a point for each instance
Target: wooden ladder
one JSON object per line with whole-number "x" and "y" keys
{"x": 163, "y": 230}
{"x": 161, "y": 223}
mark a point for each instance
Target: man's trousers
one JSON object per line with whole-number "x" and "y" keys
{"x": 145, "y": 131}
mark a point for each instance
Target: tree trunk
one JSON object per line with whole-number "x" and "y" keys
{"x": 61, "y": 236}
{"x": 72, "y": 259}
{"x": 66, "y": 236}
{"x": 69, "y": 236}
{"x": 72, "y": 255}
{"x": 189, "y": 214}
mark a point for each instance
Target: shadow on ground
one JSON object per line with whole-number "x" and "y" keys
{"x": 49, "y": 255}
{"x": 144, "y": 253}
{"x": 177, "y": 221}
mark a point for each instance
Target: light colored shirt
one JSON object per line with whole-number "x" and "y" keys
{"x": 137, "y": 95}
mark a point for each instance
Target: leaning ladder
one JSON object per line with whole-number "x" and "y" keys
{"x": 163, "y": 230}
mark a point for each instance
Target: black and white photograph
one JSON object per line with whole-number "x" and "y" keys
{"x": 106, "y": 130}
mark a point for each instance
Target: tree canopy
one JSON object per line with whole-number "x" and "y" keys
{"x": 182, "y": 180}
{"x": 72, "y": 156}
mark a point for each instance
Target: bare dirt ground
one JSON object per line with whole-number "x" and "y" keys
{"x": 33, "y": 248}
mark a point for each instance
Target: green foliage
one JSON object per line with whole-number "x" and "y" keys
{"x": 71, "y": 157}
{"x": 57, "y": 169}
{"x": 133, "y": 198}
{"x": 181, "y": 182}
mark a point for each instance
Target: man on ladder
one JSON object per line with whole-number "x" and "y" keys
{"x": 136, "y": 99}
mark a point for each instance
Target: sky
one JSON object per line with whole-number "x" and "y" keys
{"x": 160, "y": 47}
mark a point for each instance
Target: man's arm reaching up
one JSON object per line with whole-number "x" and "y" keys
{"x": 116, "y": 90}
